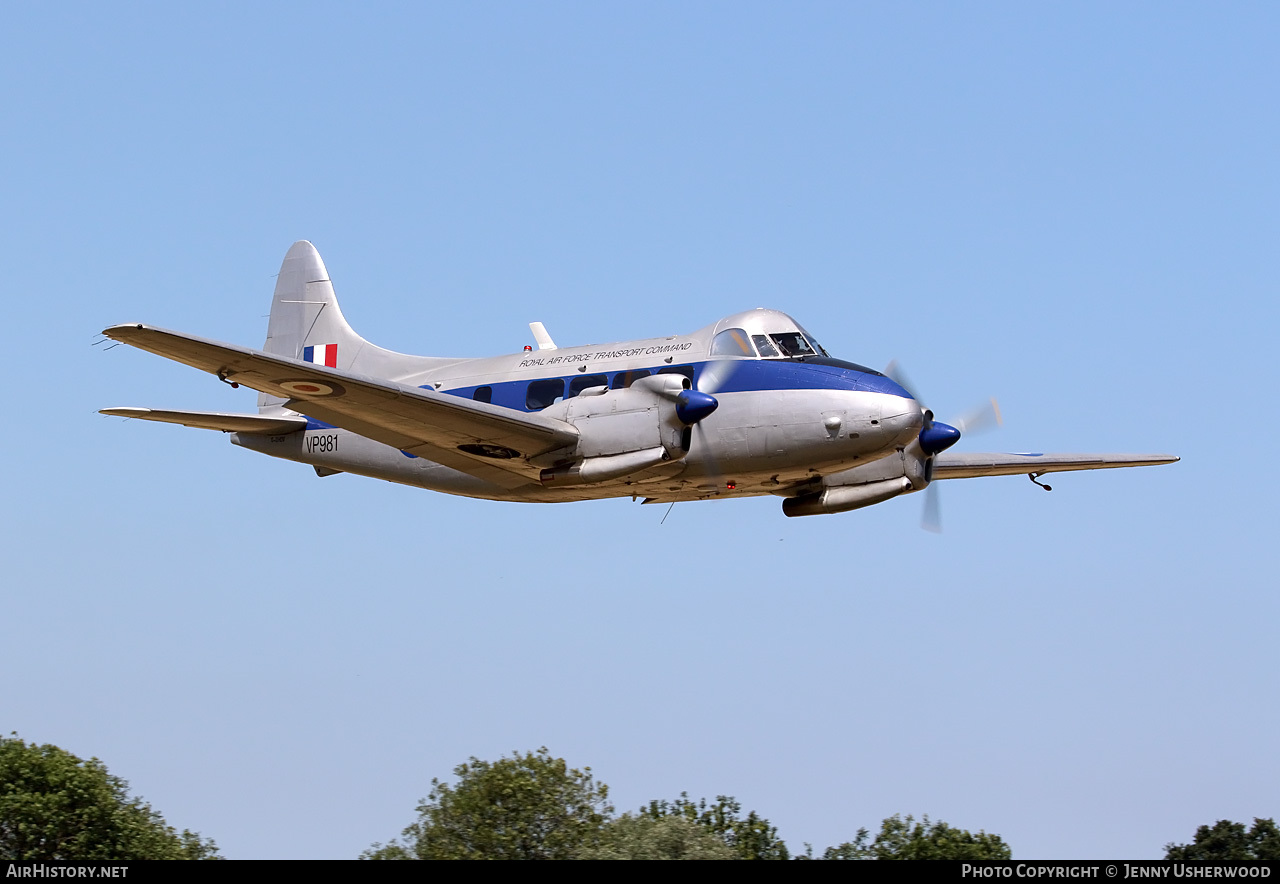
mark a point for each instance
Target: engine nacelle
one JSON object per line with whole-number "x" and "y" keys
{"x": 842, "y": 498}
{"x": 909, "y": 462}
{"x": 621, "y": 431}
{"x": 599, "y": 469}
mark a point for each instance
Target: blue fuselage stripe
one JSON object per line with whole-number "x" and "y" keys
{"x": 747, "y": 375}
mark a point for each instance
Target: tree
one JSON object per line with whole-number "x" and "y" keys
{"x": 750, "y": 837}
{"x": 529, "y": 806}
{"x": 1226, "y": 841}
{"x": 904, "y": 838}
{"x": 55, "y": 806}
{"x": 645, "y": 837}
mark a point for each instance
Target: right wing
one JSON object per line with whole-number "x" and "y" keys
{"x": 248, "y": 424}
{"x": 421, "y": 422}
{"x": 964, "y": 466}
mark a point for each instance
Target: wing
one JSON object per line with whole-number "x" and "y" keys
{"x": 250, "y": 424}
{"x": 964, "y": 466}
{"x": 422, "y": 422}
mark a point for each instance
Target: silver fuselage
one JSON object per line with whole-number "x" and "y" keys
{"x": 780, "y": 421}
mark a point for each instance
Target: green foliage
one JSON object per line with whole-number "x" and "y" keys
{"x": 55, "y": 806}
{"x": 646, "y": 837}
{"x": 533, "y": 806}
{"x": 750, "y": 837}
{"x": 904, "y": 838}
{"x": 1226, "y": 841}
{"x": 529, "y": 806}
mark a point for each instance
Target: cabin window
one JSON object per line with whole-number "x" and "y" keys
{"x": 483, "y": 394}
{"x": 732, "y": 342}
{"x": 544, "y": 393}
{"x": 624, "y": 379}
{"x": 586, "y": 381}
{"x": 686, "y": 370}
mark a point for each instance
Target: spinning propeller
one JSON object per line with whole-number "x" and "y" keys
{"x": 936, "y": 437}
{"x": 714, "y": 376}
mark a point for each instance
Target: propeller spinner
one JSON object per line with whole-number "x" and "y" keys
{"x": 692, "y": 406}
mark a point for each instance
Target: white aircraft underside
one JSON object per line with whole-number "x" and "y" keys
{"x": 748, "y": 406}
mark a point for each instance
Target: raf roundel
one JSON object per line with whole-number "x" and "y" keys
{"x": 309, "y": 388}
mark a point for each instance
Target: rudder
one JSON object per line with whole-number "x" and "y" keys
{"x": 304, "y": 310}
{"x": 306, "y": 322}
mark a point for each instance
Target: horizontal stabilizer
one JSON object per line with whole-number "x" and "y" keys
{"x": 250, "y": 424}
{"x": 965, "y": 466}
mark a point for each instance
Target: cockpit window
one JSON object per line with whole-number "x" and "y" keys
{"x": 765, "y": 346}
{"x": 793, "y": 344}
{"x": 732, "y": 342}
{"x": 814, "y": 342}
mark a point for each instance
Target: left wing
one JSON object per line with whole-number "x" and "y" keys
{"x": 422, "y": 422}
{"x": 964, "y": 466}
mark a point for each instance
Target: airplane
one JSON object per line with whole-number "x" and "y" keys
{"x": 751, "y": 405}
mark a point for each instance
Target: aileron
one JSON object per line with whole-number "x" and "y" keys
{"x": 964, "y": 466}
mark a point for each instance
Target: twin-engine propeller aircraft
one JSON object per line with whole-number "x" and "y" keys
{"x": 751, "y": 405}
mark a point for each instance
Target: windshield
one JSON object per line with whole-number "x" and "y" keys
{"x": 765, "y": 346}
{"x": 793, "y": 344}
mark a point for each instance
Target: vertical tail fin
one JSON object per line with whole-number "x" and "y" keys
{"x": 304, "y": 311}
{"x": 306, "y": 323}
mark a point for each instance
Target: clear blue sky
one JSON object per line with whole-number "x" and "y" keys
{"x": 1073, "y": 207}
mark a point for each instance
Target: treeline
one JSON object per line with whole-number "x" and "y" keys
{"x": 55, "y": 806}
{"x": 534, "y": 806}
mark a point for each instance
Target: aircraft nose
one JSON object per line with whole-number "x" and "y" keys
{"x": 893, "y": 388}
{"x": 900, "y": 417}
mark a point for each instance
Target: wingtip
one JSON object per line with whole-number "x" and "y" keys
{"x": 114, "y": 331}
